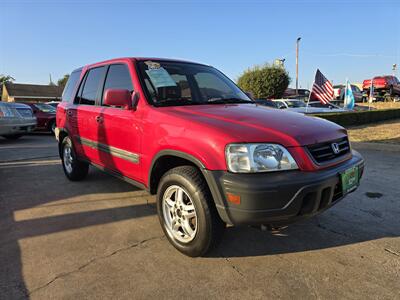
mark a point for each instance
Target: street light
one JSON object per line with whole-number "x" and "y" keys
{"x": 280, "y": 62}
{"x": 297, "y": 64}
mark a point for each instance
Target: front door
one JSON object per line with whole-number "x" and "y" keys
{"x": 119, "y": 128}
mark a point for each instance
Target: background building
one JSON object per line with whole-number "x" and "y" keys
{"x": 21, "y": 92}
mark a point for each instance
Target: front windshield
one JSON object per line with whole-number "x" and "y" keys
{"x": 177, "y": 83}
{"x": 292, "y": 104}
{"x": 45, "y": 108}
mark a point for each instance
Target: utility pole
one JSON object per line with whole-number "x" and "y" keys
{"x": 297, "y": 64}
{"x": 394, "y": 69}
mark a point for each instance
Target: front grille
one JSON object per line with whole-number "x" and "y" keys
{"x": 324, "y": 152}
{"x": 25, "y": 112}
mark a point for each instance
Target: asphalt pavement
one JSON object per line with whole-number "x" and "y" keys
{"x": 100, "y": 238}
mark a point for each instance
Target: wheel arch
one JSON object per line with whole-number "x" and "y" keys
{"x": 166, "y": 160}
{"x": 62, "y": 133}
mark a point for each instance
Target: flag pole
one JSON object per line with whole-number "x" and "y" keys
{"x": 345, "y": 93}
{"x": 309, "y": 96}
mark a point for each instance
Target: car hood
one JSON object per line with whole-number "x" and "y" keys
{"x": 253, "y": 123}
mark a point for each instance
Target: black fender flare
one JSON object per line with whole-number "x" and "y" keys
{"x": 212, "y": 185}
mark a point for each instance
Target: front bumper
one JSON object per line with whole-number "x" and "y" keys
{"x": 278, "y": 198}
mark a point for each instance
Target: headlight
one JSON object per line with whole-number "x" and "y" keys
{"x": 252, "y": 158}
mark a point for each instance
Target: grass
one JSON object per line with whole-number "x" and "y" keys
{"x": 382, "y": 105}
{"x": 382, "y": 132}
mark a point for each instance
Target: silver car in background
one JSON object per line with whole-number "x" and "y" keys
{"x": 313, "y": 107}
{"x": 16, "y": 119}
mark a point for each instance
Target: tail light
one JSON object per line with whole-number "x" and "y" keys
{"x": 379, "y": 81}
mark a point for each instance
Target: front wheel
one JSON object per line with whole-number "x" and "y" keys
{"x": 74, "y": 169}
{"x": 187, "y": 213}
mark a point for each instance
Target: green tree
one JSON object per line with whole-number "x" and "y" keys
{"x": 63, "y": 81}
{"x": 265, "y": 81}
{"x": 4, "y": 79}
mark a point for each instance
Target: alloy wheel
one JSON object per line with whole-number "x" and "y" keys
{"x": 179, "y": 214}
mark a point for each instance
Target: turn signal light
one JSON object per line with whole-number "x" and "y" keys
{"x": 233, "y": 198}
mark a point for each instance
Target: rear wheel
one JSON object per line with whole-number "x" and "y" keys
{"x": 187, "y": 213}
{"x": 391, "y": 91}
{"x": 74, "y": 169}
{"x": 12, "y": 136}
{"x": 52, "y": 126}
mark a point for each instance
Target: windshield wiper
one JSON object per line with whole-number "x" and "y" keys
{"x": 228, "y": 100}
{"x": 175, "y": 102}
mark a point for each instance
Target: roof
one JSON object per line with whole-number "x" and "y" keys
{"x": 16, "y": 105}
{"x": 33, "y": 90}
{"x": 115, "y": 60}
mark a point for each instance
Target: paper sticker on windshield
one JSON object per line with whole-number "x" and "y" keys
{"x": 160, "y": 77}
{"x": 152, "y": 64}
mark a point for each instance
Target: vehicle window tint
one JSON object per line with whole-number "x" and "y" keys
{"x": 211, "y": 86}
{"x": 355, "y": 89}
{"x": 70, "y": 86}
{"x": 182, "y": 82}
{"x": 118, "y": 77}
{"x": 92, "y": 85}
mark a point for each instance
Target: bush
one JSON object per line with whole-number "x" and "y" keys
{"x": 265, "y": 81}
{"x": 361, "y": 117}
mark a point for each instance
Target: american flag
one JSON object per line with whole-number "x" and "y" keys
{"x": 322, "y": 88}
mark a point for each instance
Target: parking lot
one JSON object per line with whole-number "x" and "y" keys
{"x": 100, "y": 238}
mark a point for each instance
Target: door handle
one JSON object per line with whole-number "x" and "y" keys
{"x": 99, "y": 119}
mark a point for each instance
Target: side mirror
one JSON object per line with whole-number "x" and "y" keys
{"x": 118, "y": 97}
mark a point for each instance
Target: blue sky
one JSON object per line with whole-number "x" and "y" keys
{"x": 354, "y": 39}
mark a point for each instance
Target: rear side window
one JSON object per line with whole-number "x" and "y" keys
{"x": 118, "y": 77}
{"x": 70, "y": 86}
{"x": 91, "y": 88}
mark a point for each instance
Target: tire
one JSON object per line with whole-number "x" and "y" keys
{"x": 52, "y": 126}
{"x": 391, "y": 91}
{"x": 74, "y": 169}
{"x": 12, "y": 136}
{"x": 196, "y": 198}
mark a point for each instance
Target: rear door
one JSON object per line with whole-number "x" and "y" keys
{"x": 85, "y": 114}
{"x": 119, "y": 128}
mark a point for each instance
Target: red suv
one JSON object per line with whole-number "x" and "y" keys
{"x": 383, "y": 85}
{"x": 187, "y": 133}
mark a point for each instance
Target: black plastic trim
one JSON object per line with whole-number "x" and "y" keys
{"x": 276, "y": 198}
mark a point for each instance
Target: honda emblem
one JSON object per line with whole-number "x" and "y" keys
{"x": 335, "y": 148}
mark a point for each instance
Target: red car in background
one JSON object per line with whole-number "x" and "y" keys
{"x": 45, "y": 115}
{"x": 383, "y": 85}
